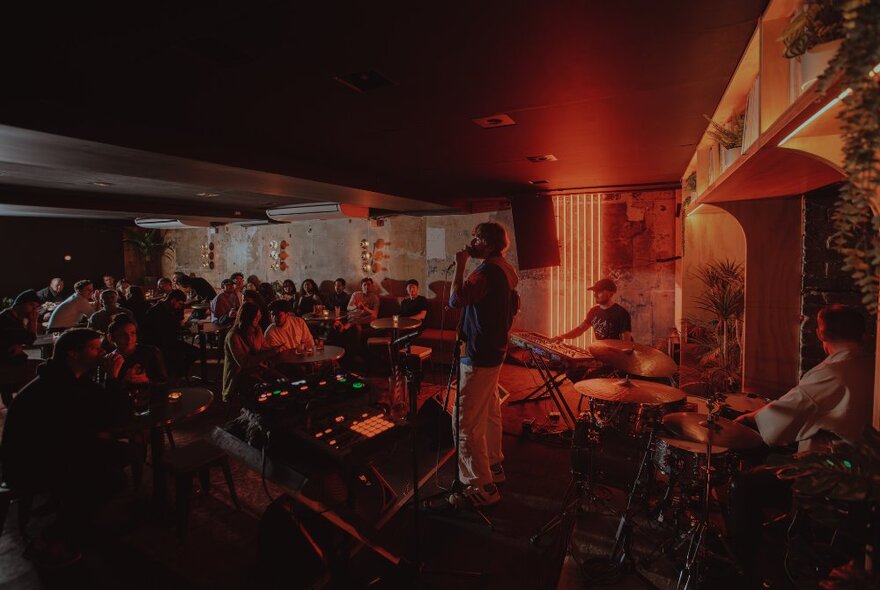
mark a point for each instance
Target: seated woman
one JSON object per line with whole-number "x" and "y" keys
{"x": 288, "y": 290}
{"x": 257, "y": 300}
{"x": 308, "y": 298}
{"x": 245, "y": 354}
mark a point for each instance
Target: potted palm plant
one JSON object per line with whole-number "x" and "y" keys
{"x": 147, "y": 245}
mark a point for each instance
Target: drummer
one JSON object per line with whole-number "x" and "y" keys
{"x": 608, "y": 320}
{"x": 833, "y": 399}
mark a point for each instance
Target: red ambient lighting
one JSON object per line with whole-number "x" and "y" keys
{"x": 579, "y": 231}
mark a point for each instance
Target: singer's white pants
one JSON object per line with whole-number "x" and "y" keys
{"x": 479, "y": 442}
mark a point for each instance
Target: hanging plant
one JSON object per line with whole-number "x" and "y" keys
{"x": 730, "y": 135}
{"x": 148, "y": 243}
{"x": 819, "y": 21}
{"x": 857, "y": 223}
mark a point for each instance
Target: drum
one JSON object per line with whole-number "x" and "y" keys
{"x": 626, "y": 418}
{"x": 685, "y": 460}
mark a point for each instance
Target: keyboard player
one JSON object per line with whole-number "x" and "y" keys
{"x": 609, "y": 321}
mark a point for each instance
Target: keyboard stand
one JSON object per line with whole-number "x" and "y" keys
{"x": 549, "y": 389}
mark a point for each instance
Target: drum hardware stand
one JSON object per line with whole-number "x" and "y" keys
{"x": 696, "y": 536}
{"x": 549, "y": 389}
{"x": 457, "y": 484}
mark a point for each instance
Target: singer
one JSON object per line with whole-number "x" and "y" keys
{"x": 489, "y": 299}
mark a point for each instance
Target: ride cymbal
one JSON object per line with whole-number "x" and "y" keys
{"x": 725, "y": 433}
{"x": 629, "y": 391}
{"x": 632, "y": 358}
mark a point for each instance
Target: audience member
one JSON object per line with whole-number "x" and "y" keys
{"x": 413, "y": 306}
{"x": 164, "y": 286}
{"x": 363, "y": 307}
{"x": 245, "y": 353}
{"x": 122, "y": 287}
{"x": 162, "y": 329}
{"x": 75, "y": 308}
{"x": 255, "y": 298}
{"x": 287, "y": 331}
{"x": 109, "y": 281}
{"x": 238, "y": 279}
{"x": 267, "y": 292}
{"x": 225, "y": 304}
{"x": 136, "y": 304}
{"x": 308, "y": 298}
{"x": 252, "y": 283}
{"x": 199, "y": 289}
{"x": 52, "y": 442}
{"x": 53, "y": 293}
{"x": 339, "y": 298}
{"x": 18, "y": 327}
{"x": 143, "y": 363}
{"x": 109, "y": 307}
{"x": 288, "y": 290}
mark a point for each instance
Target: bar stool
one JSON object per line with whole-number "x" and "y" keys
{"x": 196, "y": 459}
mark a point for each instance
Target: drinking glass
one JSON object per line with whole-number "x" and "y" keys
{"x": 319, "y": 344}
{"x": 395, "y": 319}
{"x": 140, "y": 399}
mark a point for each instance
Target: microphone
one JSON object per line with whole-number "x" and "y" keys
{"x": 451, "y": 266}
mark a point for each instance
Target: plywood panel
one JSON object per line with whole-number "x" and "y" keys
{"x": 772, "y": 229}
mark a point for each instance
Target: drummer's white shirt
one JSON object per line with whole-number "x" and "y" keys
{"x": 835, "y": 396}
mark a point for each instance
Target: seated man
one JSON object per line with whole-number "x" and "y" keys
{"x": 109, "y": 308}
{"x": 287, "y": 331}
{"x": 413, "y": 306}
{"x": 18, "y": 327}
{"x": 198, "y": 288}
{"x": 109, "y": 281}
{"x": 54, "y": 293}
{"x": 339, "y": 297}
{"x": 225, "y": 304}
{"x": 164, "y": 286}
{"x": 52, "y": 441}
{"x": 162, "y": 329}
{"x": 75, "y": 308}
{"x": 833, "y": 400}
{"x": 363, "y": 307}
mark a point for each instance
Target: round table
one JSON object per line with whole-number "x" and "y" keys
{"x": 163, "y": 413}
{"x": 320, "y": 317}
{"x": 403, "y": 323}
{"x": 330, "y": 353}
{"x": 44, "y": 340}
{"x": 200, "y": 305}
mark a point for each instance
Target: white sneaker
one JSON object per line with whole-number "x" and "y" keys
{"x": 498, "y": 475}
{"x": 476, "y": 496}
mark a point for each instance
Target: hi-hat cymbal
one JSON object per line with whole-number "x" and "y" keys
{"x": 632, "y": 358}
{"x": 629, "y": 391}
{"x": 725, "y": 433}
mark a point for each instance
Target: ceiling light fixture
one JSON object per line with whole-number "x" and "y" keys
{"x": 102, "y": 183}
{"x": 537, "y": 182}
{"x": 544, "y": 158}
{"x": 493, "y": 121}
{"x": 207, "y": 195}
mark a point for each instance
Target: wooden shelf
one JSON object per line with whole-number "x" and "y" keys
{"x": 811, "y": 155}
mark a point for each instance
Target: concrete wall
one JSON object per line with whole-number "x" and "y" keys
{"x": 326, "y": 249}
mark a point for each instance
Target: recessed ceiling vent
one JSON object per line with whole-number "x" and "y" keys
{"x": 315, "y": 211}
{"x": 364, "y": 81}
{"x": 162, "y": 223}
{"x": 493, "y": 121}
{"x": 537, "y": 182}
{"x": 544, "y": 158}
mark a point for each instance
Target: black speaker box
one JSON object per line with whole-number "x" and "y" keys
{"x": 534, "y": 225}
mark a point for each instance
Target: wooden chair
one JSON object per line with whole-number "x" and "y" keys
{"x": 184, "y": 463}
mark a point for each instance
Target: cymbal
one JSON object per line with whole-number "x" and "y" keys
{"x": 690, "y": 446}
{"x": 635, "y": 359}
{"x": 694, "y": 427}
{"x": 629, "y": 391}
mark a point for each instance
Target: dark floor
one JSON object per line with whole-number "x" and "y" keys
{"x": 135, "y": 546}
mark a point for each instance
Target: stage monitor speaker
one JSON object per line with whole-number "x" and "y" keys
{"x": 534, "y": 225}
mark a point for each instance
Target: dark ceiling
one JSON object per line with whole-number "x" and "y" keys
{"x": 239, "y": 100}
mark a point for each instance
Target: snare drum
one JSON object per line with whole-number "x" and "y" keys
{"x": 685, "y": 460}
{"x": 626, "y": 418}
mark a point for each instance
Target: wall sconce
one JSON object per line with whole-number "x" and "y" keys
{"x": 366, "y": 256}
{"x": 208, "y": 255}
{"x": 278, "y": 254}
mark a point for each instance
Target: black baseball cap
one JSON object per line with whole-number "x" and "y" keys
{"x": 28, "y": 296}
{"x": 604, "y": 285}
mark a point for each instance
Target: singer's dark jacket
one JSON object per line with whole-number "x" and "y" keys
{"x": 489, "y": 301}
